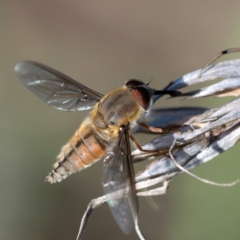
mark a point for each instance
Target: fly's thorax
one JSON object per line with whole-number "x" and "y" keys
{"x": 116, "y": 109}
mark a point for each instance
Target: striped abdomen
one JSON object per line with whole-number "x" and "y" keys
{"x": 83, "y": 149}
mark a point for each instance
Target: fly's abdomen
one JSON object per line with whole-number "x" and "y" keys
{"x": 83, "y": 149}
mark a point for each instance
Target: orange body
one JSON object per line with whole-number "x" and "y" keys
{"x": 97, "y": 134}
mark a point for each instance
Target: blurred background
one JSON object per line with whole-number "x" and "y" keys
{"x": 102, "y": 44}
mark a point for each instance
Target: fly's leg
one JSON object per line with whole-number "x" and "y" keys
{"x": 156, "y": 129}
{"x": 170, "y": 152}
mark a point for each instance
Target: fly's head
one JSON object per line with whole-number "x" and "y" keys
{"x": 140, "y": 92}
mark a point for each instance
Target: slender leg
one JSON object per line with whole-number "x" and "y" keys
{"x": 152, "y": 129}
{"x": 143, "y": 150}
{"x": 157, "y": 130}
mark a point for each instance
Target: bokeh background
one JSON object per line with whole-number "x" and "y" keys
{"x": 102, "y": 44}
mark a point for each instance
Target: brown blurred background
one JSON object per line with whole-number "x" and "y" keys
{"x": 102, "y": 44}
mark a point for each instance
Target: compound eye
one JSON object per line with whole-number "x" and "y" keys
{"x": 142, "y": 96}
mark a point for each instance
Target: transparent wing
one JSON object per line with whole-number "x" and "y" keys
{"x": 55, "y": 88}
{"x": 118, "y": 180}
